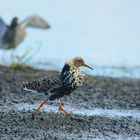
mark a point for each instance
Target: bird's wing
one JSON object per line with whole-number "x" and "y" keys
{"x": 3, "y": 28}
{"x": 43, "y": 85}
{"x": 35, "y": 22}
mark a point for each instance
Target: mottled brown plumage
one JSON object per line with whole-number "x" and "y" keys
{"x": 55, "y": 87}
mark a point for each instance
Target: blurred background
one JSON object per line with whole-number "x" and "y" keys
{"x": 105, "y": 33}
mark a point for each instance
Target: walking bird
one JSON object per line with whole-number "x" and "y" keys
{"x": 55, "y": 87}
{"x": 13, "y": 34}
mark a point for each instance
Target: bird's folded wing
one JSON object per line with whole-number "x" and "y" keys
{"x": 43, "y": 85}
{"x": 35, "y": 22}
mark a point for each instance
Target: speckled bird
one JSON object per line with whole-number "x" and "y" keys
{"x": 55, "y": 87}
{"x": 12, "y": 35}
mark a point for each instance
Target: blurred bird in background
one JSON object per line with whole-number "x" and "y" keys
{"x": 12, "y": 35}
{"x": 55, "y": 87}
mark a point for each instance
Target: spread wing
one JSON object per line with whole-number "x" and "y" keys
{"x": 35, "y": 22}
{"x": 43, "y": 85}
{"x": 3, "y": 29}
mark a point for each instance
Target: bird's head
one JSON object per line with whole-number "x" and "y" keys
{"x": 14, "y": 22}
{"x": 78, "y": 62}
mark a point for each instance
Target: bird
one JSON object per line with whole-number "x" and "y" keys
{"x": 56, "y": 86}
{"x": 12, "y": 35}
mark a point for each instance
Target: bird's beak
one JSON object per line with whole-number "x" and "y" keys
{"x": 86, "y": 65}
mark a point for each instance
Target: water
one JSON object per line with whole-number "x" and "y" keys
{"x": 111, "y": 113}
{"x": 105, "y": 33}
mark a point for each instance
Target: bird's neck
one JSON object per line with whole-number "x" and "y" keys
{"x": 71, "y": 64}
{"x": 66, "y": 68}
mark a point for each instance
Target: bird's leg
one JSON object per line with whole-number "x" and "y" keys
{"x": 41, "y": 105}
{"x": 69, "y": 114}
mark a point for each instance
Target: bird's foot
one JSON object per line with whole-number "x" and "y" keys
{"x": 69, "y": 114}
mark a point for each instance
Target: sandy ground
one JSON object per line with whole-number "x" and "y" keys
{"x": 97, "y": 92}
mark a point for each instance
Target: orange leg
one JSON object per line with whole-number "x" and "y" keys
{"x": 41, "y": 105}
{"x": 69, "y": 114}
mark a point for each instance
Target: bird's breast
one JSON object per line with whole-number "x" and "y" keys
{"x": 73, "y": 78}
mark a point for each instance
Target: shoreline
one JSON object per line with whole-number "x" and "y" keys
{"x": 98, "y": 92}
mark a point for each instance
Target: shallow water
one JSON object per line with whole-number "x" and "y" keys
{"x": 106, "y": 33}
{"x": 112, "y": 113}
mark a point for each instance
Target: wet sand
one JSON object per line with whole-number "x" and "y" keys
{"x": 103, "y": 93}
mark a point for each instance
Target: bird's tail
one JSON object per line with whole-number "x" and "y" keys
{"x": 29, "y": 87}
